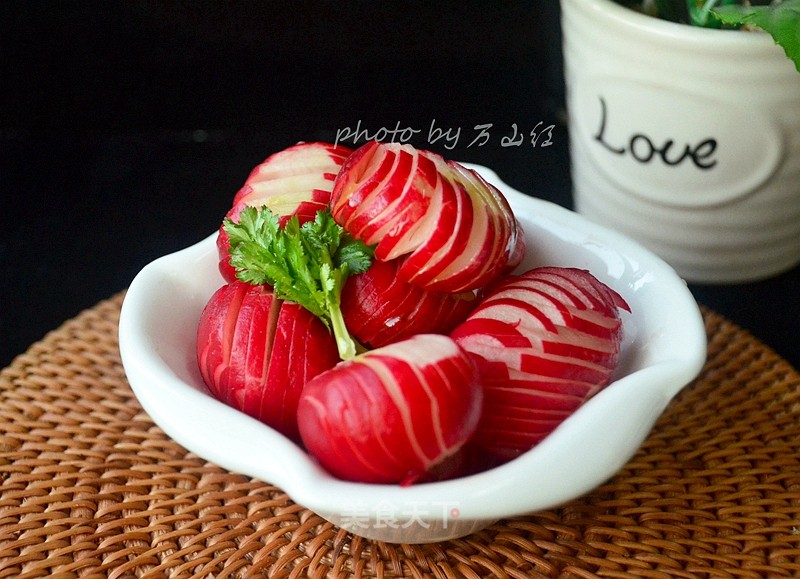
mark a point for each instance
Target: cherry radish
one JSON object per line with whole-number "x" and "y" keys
{"x": 393, "y": 414}
{"x": 452, "y": 230}
{"x": 379, "y": 308}
{"x": 544, "y": 342}
{"x": 256, "y": 352}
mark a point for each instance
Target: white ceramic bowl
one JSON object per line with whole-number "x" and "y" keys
{"x": 664, "y": 349}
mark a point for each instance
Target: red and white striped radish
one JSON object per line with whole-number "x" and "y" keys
{"x": 295, "y": 181}
{"x": 544, "y": 342}
{"x": 451, "y": 229}
{"x": 256, "y": 352}
{"x": 392, "y": 415}
{"x": 379, "y": 308}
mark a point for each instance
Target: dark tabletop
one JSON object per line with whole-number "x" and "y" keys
{"x": 126, "y": 128}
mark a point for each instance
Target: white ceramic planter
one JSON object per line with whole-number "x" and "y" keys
{"x": 686, "y": 139}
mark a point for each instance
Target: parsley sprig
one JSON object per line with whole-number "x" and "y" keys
{"x": 307, "y": 264}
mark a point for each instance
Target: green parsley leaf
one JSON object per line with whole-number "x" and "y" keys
{"x": 306, "y": 264}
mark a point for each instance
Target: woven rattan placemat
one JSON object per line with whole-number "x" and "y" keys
{"x": 90, "y": 487}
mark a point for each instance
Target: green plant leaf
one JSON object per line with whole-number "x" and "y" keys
{"x": 307, "y": 264}
{"x": 781, "y": 21}
{"x": 702, "y": 12}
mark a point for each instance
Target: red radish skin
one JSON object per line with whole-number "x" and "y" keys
{"x": 398, "y": 198}
{"x": 379, "y": 308}
{"x": 544, "y": 342}
{"x": 256, "y": 353}
{"x": 295, "y": 181}
{"x": 450, "y": 236}
{"x": 452, "y": 230}
{"x": 383, "y": 195}
{"x": 493, "y": 240}
{"x": 392, "y": 415}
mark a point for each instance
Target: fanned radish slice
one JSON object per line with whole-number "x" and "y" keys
{"x": 449, "y": 238}
{"x": 379, "y": 308}
{"x": 393, "y": 199}
{"x": 364, "y": 174}
{"x": 215, "y": 340}
{"x": 455, "y": 231}
{"x": 385, "y": 196}
{"x": 393, "y": 414}
{"x": 544, "y": 342}
{"x": 284, "y": 195}
{"x": 493, "y": 239}
{"x": 416, "y": 214}
{"x": 256, "y": 352}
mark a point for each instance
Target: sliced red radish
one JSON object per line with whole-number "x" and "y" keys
{"x": 256, "y": 352}
{"x": 379, "y": 308}
{"x": 455, "y": 231}
{"x": 392, "y": 415}
{"x": 544, "y": 342}
{"x": 449, "y": 237}
{"x": 493, "y": 240}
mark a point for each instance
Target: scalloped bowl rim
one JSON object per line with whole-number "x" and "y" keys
{"x": 664, "y": 349}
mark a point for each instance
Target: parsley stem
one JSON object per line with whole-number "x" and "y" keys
{"x": 344, "y": 341}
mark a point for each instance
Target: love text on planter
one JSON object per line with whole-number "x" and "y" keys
{"x": 643, "y": 149}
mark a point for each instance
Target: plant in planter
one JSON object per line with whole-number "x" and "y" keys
{"x": 687, "y": 137}
{"x": 781, "y": 19}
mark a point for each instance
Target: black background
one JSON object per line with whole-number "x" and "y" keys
{"x": 126, "y": 127}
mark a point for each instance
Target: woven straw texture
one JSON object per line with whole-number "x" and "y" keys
{"x": 90, "y": 487}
